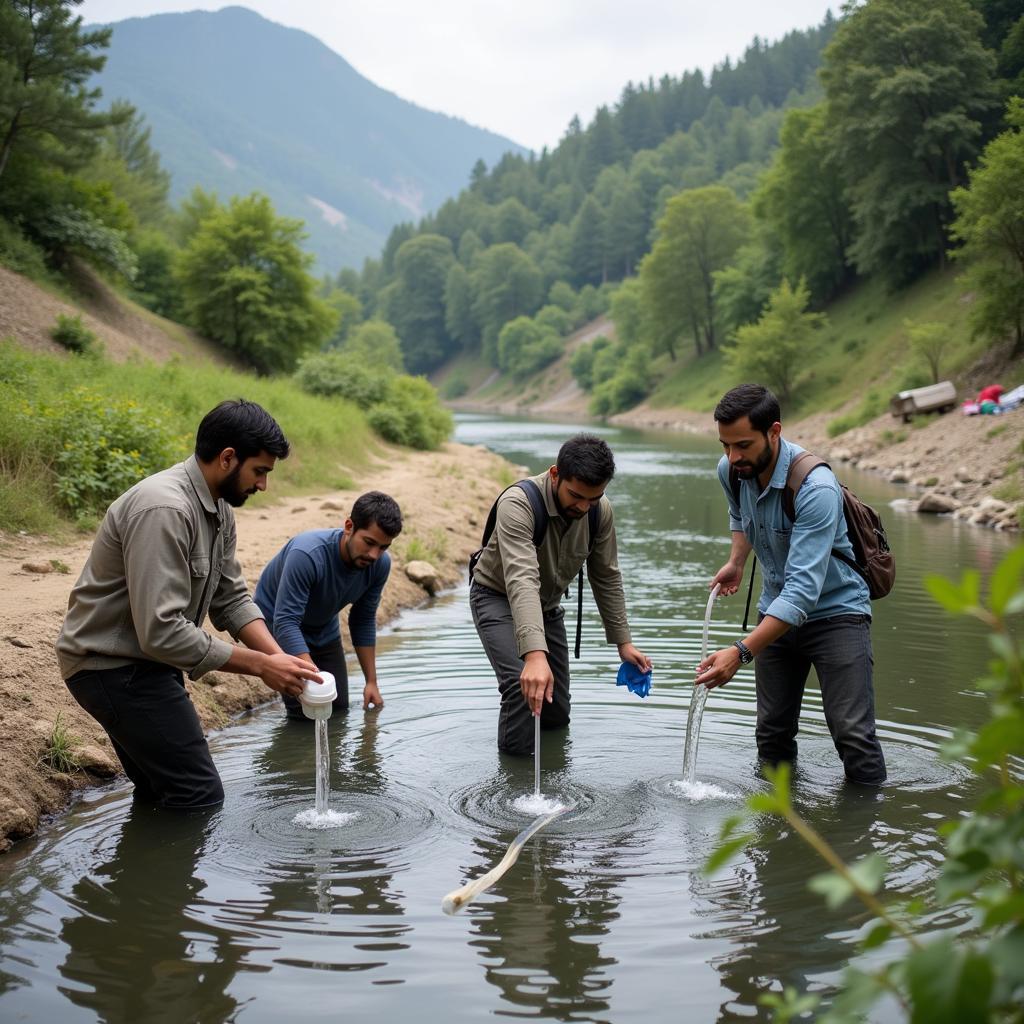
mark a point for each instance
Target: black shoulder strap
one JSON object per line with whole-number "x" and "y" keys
{"x": 540, "y": 512}
{"x": 734, "y": 483}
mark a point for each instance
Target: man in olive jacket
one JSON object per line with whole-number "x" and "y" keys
{"x": 517, "y": 589}
{"x": 162, "y": 559}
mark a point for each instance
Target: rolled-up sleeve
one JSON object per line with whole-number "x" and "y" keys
{"x": 158, "y": 573}
{"x": 606, "y": 580}
{"x": 362, "y": 618}
{"x": 232, "y": 607}
{"x": 514, "y": 531}
{"x": 819, "y": 505}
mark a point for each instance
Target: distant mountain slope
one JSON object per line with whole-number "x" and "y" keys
{"x": 238, "y": 103}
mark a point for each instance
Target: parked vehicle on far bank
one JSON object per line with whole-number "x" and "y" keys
{"x": 939, "y": 397}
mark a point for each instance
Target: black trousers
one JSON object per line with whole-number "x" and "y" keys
{"x": 492, "y": 616}
{"x": 146, "y": 711}
{"x": 331, "y": 659}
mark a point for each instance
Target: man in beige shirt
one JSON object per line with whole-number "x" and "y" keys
{"x": 164, "y": 558}
{"x": 517, "y": 588}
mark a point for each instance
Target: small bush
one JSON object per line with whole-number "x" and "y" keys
{"x": 335, "y": 375}
{"x": 411, "y": 415}
{"x": 70, "y": 332}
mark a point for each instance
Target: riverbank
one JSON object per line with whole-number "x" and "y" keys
{"x": 971, "y": 467}
{"x": 444, "y": 497}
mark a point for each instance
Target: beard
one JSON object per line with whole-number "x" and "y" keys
{"x": 748, "y": 469}
{"x": 231, "y": 492}
{"x": 566, "y": 513}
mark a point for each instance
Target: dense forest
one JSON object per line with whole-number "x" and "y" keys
{"x": 697, "y": 206}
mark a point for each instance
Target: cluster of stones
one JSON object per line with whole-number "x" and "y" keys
{"x": 962, "y": 498}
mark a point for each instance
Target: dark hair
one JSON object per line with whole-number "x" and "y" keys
{"x": 244, "y": 426}
{"x": 587, "y": 458}
{"x": 380, "y": 508}
{"x": 751, "y": 400}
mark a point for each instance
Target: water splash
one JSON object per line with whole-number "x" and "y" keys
{"x": 536, "y": 803}
{"x": 700, "y": 791}
{"x": 313, "y": 819}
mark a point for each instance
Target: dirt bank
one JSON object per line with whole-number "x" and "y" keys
{"x": 444, "y": 497}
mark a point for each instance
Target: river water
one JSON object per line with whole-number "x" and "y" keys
{"x": 116, "y": 914}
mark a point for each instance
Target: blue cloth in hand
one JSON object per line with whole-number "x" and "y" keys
{"x": 630, "y": 676}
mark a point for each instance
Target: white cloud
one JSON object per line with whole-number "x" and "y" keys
{"x": 521, "y": 69}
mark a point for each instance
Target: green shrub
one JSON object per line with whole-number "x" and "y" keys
{"x": 335, "y": 375}
{"x": 70, "y": 332}
{"x": 411, "y": 415}
{"x": 582, "y": 362}
{"x": 629, "y": 384}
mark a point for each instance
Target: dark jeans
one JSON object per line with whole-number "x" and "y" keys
{"x": 839, "y": 648}
{"x": 331, "y": 659}
{"x": 146, "y": 711}
{"x": 492, "y": 616}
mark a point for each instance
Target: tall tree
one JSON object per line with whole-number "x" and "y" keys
{"x": 697, "y": 236}
{"x": 908, "y": 83}
{"x": 802, "y": 199}
{"x": 774, "y": 348}
{"x": 990, "y": 226}
{"x": 416, "y": 302}
{"x": 46, "y": 60}
{"x": 246, "y": 285}
{"x": 587, "y": 252}
{"x": 506, "y": 284}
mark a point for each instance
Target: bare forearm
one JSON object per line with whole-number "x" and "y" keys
{"x": 367, "y": 658}
{"x": 740, "y": 549}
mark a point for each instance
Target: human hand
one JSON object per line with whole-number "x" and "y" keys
{"x": 371, "y": 695}
{"x": 286, "y": 673}
{"x": 718, "y": 668}
{"x": 536, "y": 680}
{"x": 730, "y": 576}
{"x": 627, "y": 652}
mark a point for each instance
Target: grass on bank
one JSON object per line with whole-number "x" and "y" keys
{"x": 75, "y": 431}
{"x": 863, "y": 351}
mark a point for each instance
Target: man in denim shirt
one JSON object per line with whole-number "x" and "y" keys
{"x": 814, "y": 609}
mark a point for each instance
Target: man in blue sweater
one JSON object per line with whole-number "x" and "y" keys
{"x": 815, "y": 609}
{"x": 316, "y": 574}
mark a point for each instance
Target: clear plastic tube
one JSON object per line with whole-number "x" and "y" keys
{"x": 697, "y": 701}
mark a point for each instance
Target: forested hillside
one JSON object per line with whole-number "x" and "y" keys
{"x": 239, "y": 104}
{"x": 716, "y": 219}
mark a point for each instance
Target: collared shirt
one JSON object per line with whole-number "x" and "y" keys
{"x": 163, "y": 558}
{"x": 534, "y": 579}
{"x": 801, "y": 578}
{"x": 307, "y": 583}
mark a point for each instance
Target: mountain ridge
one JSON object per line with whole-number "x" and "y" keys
{"x": 239, "y": 103}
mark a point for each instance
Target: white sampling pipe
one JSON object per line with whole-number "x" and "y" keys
{"x": 697, "y": 701}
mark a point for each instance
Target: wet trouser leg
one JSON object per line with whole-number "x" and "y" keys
{"x": 330, "y": 658}
{"x": 839, "y": 648}
{"x": 492, "y": 616}
{"x": 145, "y": 710}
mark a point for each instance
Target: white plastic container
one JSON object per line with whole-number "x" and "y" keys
{"x": 317, "y": 699}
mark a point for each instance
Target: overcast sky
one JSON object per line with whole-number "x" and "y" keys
{"x": 522, "y": 69}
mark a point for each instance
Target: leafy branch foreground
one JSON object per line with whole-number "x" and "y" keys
{"x": 977, "y": 973}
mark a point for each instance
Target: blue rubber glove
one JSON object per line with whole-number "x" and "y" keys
{"x": 630, "y": 676}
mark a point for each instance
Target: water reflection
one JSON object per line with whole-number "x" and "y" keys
{"x": 134, "y": 952}
{"x": 540, "y": 942}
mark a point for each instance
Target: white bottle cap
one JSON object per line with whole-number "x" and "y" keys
{"x": 316, "y": 693}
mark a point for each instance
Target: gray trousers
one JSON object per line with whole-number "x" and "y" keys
{"x": 839, "y": 648}
{"x": 492, "y": 616}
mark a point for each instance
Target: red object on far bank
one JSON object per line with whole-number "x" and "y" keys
{"x": 992, "y": 393}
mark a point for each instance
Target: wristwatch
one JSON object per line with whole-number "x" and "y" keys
{"x": 746, "y": 655}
